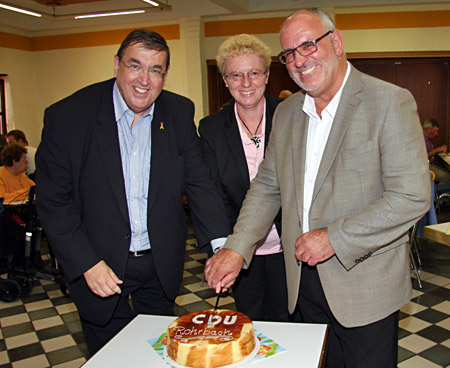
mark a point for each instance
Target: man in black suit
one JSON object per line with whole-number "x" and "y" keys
{"x": 114, "y": 162}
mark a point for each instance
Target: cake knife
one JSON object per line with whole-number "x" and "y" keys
{"x": 217, "y": 300}
{"x": 210, "y": 325}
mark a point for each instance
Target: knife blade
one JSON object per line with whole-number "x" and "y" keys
{"x": 210, "y": 325}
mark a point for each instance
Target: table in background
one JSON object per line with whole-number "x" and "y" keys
{"x": 444, "y": 158}
{"x": 304, "y": 344}
{"x": 438, "y": 233}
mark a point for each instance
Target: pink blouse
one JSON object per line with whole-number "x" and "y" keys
{"x": 271, "y": 243}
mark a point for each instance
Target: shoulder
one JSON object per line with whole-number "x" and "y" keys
{"x": 87, "y": 96}
{"x": 367, "y": 85}
{"x": 171, "y": 98}
{"x": 292, "y": 103}
{"x": 216, "y": 121}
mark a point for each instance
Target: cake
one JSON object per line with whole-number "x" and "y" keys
{"x": 209, "y": 339}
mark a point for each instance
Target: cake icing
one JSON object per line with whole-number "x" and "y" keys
{"x": 209, "y": 339}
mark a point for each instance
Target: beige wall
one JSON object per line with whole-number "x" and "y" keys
{"x": 20, "y": 68}
{"x": 42, "y": 77}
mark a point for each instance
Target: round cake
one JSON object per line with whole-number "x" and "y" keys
{"x": 209, "y": 339}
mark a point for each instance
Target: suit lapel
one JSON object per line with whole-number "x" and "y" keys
{"x": 108, "y": 141}
{"x": 347, "y": 106}
{"x": 298, "y": 140}
{"x": 161, "y": 131}
{"x": 233, "y": 137}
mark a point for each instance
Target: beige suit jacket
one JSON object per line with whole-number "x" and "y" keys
{"x": 372, "y": 185}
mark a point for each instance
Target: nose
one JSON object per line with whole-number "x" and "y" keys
{"x": 299, "y": 59}
{"x": 144, "y": 77}
{"x": 246, "y": 81}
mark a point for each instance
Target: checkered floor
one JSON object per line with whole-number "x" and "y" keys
{"x": 43, "y": 329}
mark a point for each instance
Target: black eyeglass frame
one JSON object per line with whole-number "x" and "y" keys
{"x": 282, "y": 55}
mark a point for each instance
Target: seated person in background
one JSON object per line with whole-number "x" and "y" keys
{"x": 430, "y": 132}
{"x": 14, "y": 184}
{"x": 18, "y": 137}
{"x": 12, "y": 239}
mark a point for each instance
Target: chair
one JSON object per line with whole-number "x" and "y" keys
{"x": 414, "y": 248}
{"x": 442, "y": 191}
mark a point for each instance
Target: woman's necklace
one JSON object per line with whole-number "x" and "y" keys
{"x": 256, "y": 140}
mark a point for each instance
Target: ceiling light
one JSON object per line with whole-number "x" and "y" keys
{"x": 23, "y": 11}
{"x": 109, "y": 14}
{"x": 154, "y": 3}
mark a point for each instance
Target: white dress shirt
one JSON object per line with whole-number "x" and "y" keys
{"x": 318, "y": 132}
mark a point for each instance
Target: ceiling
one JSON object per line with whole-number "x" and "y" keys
{"x": 58, "y": 10}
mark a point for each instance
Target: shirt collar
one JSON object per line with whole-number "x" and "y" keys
{"x": 309, "y": 106}
{"x": 121, "y": 108}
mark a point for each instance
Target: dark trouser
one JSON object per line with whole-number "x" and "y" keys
{"x": 12, "y": 236}
{"x": 371, "y": 346}
{"x": 147, "y": 297}
{"x": 260, "y": 291}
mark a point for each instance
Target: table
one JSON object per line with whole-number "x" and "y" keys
{"x": 445, "y": 159}
{"x": 304, "y": 344}
{"x": 437, "y": 233}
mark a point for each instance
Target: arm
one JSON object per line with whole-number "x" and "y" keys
{"x": 263, "y": 199}
{"x": 60, "y": 211}
{"x": 206, "y": 205}
{"x": 437, "y": 150}
{"x": 405, "y": 194}
{"x": 18, "y": 194}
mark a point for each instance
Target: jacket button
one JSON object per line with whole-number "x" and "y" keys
{"x": 127, "y": 236}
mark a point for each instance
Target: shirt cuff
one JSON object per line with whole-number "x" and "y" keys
{"x": 218, "y": 243}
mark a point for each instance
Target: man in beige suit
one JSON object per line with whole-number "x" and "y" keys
{"x": 347, "y": 164}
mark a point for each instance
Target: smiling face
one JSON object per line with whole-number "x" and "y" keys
{"x": 321, "y": 72}
{"x": 140, "y": 91}
{"x": 246, "y": 92}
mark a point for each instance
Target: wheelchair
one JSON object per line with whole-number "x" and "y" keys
{"x": 20, "y": 278}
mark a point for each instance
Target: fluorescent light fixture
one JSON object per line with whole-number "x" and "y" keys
{"x": 109, "y": 14}
{"x": 154, "y": 3}
{"x": 23, "y": 11}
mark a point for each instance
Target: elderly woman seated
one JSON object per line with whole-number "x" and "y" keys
{"x": 14, "y": 186}
{"x": 14, "y": 183}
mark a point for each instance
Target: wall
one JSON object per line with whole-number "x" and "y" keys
{"x": 20, "y": 67}
{"x": 43, "y": 70}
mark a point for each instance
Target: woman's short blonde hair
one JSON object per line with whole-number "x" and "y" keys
{"x": 242, "y": 44}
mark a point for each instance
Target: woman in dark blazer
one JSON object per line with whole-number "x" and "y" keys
{"x": 233, "y": 143}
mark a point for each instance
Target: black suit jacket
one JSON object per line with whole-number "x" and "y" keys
{"x": 225, "y": 156}
{"x": 81, "y": 197}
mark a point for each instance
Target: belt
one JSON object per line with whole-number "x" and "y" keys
{"x": 140, "y": 253}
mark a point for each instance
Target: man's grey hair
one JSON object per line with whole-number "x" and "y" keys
{"x": 430, "y": 123}
{"x": 327, "y": 21}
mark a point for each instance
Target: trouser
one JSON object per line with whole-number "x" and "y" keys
{"x": 260, "y": 291}
{"x": 372, "y": 346}
{"x": 147, "y": 297}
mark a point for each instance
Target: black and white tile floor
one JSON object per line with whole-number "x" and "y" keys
{"x": 43, "y": 329}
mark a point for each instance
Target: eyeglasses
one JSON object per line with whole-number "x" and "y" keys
{"x": 136, "y": 69}
{"x": 304, "y": 49}
{"x": 252, "y": 74}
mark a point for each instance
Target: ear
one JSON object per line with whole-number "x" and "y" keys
{"x": 225, "y": 81}
{"x": 165, "y": 75}
{"x": 116, "y": 65}
{"x": 338, "y": 42}
{"x": 267, "y": 76}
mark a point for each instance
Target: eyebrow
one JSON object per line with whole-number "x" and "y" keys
{"x": 136, "y": 61}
